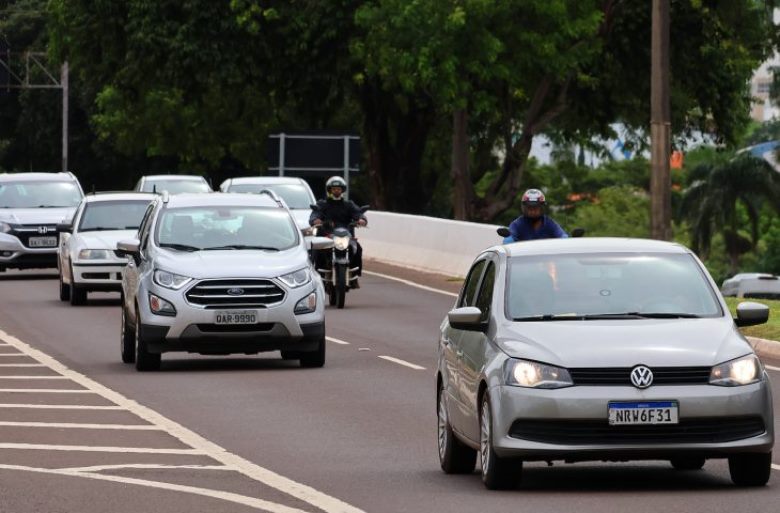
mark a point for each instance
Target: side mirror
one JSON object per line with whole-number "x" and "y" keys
{"x": 750, "y": 314}
{"x": 466, "y": 318}
{"x": 129, "y": 248}
{"x": 65, "y": 228}
{"x": 578, "y": 232}
{"x": 504, "y": 231}
{"x": 317, "y": 243}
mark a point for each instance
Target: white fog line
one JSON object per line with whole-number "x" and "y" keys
{"x": 97, "y": 448}
{"x": 337, "y": 341}
{"x": 300, "y": 491}
{"x": 75, "y": 425}
{"x": 60, "y": 407}
{"x": 772, "y": 367}
{"x": 100, "y": 468}
{"x": 401, "y": 362}
{"x": 776, "y": 467}
{"x": 45, "y": 391}
{"x": 32, "y": 377}
{"x": 411, "y": 283}
{"x": 259, "y": 504}
{"x": 22, "y": 365}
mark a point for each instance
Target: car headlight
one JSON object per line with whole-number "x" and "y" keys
{"x": 170, "y": 280}
{"x": 525, "y": 373}
{"x": 341, "y": 243}
{"x": 94, "y": 254}
{"x": 5, "y": 228}
{"x": 296, "y": 279}
{"x": 742, "y": 371}
{"x": 307, "y": 304}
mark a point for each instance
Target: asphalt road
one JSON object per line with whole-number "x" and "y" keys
{"x": 80, "y": 431}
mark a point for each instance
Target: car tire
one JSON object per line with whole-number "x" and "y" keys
{"x": 126, "y": 338}
{"x": 2, "y": 269}
{"x": 144, "y": 360}
{"x": 291, "y": 355}
{"x": 497, "y": 473}
{"x": 688, "y": 462}
{"x": 64, "y": 290}
{"x": 750, "y": 469}
{"x": 78, "y": 296}
{"x": 316, "y": 358}
{"x": 454, "y": 456}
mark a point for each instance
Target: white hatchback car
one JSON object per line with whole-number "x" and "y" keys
{"x": 174, "y": 184}
{"x": 294, "y": 191}
{"x": 86, "y": 257}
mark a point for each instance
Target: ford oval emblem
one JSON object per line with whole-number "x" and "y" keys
{"x": 235, "y": 291}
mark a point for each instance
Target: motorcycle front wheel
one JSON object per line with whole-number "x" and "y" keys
{"x": 340, "y": 286}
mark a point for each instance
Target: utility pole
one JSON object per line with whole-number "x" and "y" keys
{"x": 65, "y": 82}
{"x": 660, "y": 126}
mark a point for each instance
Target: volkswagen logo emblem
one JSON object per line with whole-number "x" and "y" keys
{"x": 235, "y": 291}
{"x": 641, "y": 376}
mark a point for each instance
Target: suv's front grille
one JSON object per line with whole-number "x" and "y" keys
{"x": 235, "y": 293}
{"x": 622, "y": 376}
{"x": 25, "y": 232}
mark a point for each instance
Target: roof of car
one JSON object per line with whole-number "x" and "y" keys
{"x": 175, "y": 177}
{"x": 204, "y": 199}
{"x": 261, "y": 180}
{"x": 119, "y": 196}
{"x": 37, "y": 177}
{"x": 592, "y": 245}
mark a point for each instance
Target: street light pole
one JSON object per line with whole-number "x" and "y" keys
{"x": 660, "y": 126}
{"x": 65, "y": 81}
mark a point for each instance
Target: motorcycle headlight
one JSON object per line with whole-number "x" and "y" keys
{"x": 341, "y": 243}
{"x": 5, "y": 228}
{"x": 94, "y": 254}
{"x": 735, "y": 373}
{"x": 296, "y": 279}
{"x": 525, "y": 373}
{"x": 170, "y": 280}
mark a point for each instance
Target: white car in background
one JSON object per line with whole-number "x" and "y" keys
{"x": 174, "y": 184}
{"x": 86, "y": 257}
{"x": 755, "y": 285}
{"x": 295, "y": 192}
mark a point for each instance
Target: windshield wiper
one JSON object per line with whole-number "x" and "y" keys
{"x": 51, "y": 206}
{"x": 180, "y": 247}
{"x": 549, "y": 317}
{"x": 99, "y": 229}
{"x": 240, "y": 246}
{"x": 640, "y": 315}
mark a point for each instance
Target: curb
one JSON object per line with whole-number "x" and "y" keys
{"x": 765, "y": 348}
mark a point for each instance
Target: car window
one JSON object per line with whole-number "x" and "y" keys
{"x": 143, "y": 230}
{"x": 485, "y": 297}
{"x": 39, "y": 194}
{"x": 470, "y": 286}
{"x": 113, "y": 215}
{"x": 227, "y": 227}
{"x": 176, "y": 186}
{"x": 295, "y": 195}
{"x": 615, "y": 283}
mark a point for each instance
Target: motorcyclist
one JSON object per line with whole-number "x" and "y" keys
{"x": 335, "y": 211}
{"x": 533, "y": 223}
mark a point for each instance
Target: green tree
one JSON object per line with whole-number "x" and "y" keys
{"x": 619, "y": 211}
{"x": 726, "y": 199}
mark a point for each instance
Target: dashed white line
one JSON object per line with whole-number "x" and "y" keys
{"x": 12, "y": 354}
{"x": 100, "y": 468}
{"x": 76, "y": 425}
{"x": 96, "y": 448}
{"x": 411, "y": 283}
{"x": 337, "y": 341}
{"x": 772, "y": 367}
{"x": 44, "y": 391}
{"x": 776, "y": 467}
{"x": 22, "y": 365}
{"x": 32, "y": 377}
{"x": 60, "y": 406}
{"x": 401, "y": 362}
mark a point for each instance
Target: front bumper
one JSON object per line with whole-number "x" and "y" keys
{"x": 577, "y": 429}
{"x": 13, "y": 254}
{"x": 98, "y": 276}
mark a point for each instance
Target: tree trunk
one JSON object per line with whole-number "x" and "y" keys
{"x": 463, "y": 189}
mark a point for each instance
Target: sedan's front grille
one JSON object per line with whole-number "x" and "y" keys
{"x": 235, "y": 328}
{"x": 25, "y": 232}
{"x": 235, "y": 293}
{"x": 587, "y": 432}
{"x": 621, "y": 376}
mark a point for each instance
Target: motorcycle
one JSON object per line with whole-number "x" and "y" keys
{"x": 335, "y": 265}
{"x": 504, "y": 232}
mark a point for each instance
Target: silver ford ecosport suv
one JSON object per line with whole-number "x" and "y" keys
{"x": 220, "y": 274}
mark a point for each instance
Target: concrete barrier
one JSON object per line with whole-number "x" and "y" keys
{"x": 429, "y": 244}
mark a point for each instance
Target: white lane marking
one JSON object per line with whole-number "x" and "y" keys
{"x": 260, "y": 504}
{"x": 411, "y": 283}
{"x": 772, "y": 367}
{"x": 300, "y": 491}
{"x": 44, "y": 391}
{"x": 76, "y": 425}
{"x": 32, "y": 377}
{"x": 776, "y": 467}
{"x": 401, "y": 362}
{"x": 60, "y": 406}
{"x": 12, "y": 354}
{"x": 96, "y": 448}
{"x": 100, "y": 468}
{"x": 22, "y": 365}
{"x": 337, "y": 341}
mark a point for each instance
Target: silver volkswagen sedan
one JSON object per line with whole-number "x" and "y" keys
{"x": 599, "y": 349}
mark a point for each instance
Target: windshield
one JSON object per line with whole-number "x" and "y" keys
{"x": 113, "y": 215}
{"x": 295, "y": 195}
{"x": 39, "y": 195}
{"x": 227, "y": 228}
{"x": 604, "y": 285}
{"x": 175, "y": 186}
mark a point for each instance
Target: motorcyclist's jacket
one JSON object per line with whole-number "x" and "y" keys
{"x": 339, "y": 212}
{"x": 522, "y": 228}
